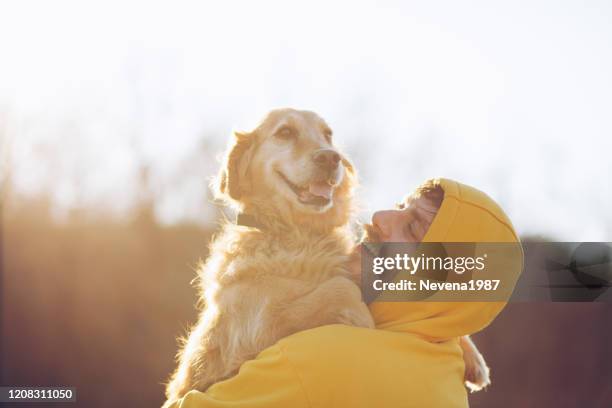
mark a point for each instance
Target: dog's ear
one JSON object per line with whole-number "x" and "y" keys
{"x": 232, "y": 181}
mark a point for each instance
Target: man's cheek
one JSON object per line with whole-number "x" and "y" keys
{"x": 397, "y": 235}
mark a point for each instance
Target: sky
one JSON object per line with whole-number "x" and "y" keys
{"x": 514, "y": 98}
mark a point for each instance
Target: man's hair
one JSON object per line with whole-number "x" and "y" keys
{"x": 428, "y": 190}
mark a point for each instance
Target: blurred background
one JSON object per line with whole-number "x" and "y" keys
{"x": 113, "y": 116}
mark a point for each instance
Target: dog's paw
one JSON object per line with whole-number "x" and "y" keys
{"x": 358, "y": 317}
{"x": 477, "y": 373}
{"x": 346, "y": 303}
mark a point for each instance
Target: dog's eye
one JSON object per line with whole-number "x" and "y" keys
{"x": 285, "y": 133}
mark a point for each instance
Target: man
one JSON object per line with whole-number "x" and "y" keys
{"x": 413, "y": 358}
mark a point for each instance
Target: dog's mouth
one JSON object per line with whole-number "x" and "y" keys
{"x": 317, "y": 193}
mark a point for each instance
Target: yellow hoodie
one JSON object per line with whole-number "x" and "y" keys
{"x": 413, "y": 359}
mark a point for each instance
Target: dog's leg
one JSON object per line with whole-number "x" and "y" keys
{"x": 337, "y": 300}
{"x": 200, "y": 363}
{"x": 477, "y": 374}
{"x": 219, "y": 343}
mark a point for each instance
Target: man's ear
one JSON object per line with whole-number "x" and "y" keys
{"x": 232, "y": 181}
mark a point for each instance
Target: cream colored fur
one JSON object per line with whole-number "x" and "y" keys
{"x": 262, "y": 284}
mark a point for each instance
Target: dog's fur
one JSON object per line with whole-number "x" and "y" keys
{"x": 287, "y": 272}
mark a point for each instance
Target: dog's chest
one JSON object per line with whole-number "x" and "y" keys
{"x": 315, "y": 260}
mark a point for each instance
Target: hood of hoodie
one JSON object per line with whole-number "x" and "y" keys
{"x": 465, "y": 215}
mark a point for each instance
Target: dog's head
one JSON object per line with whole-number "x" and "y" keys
{"x": 289, "y": 163}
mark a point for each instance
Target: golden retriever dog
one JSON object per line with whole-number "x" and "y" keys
{"x": 284, "y": 266}
{"x": 285, "y": 270}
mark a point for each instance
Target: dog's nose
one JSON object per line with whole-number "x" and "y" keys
{"x": 326, "y": 158}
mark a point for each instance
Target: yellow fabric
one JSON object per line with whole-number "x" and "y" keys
{"x": 413, "y": 359}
